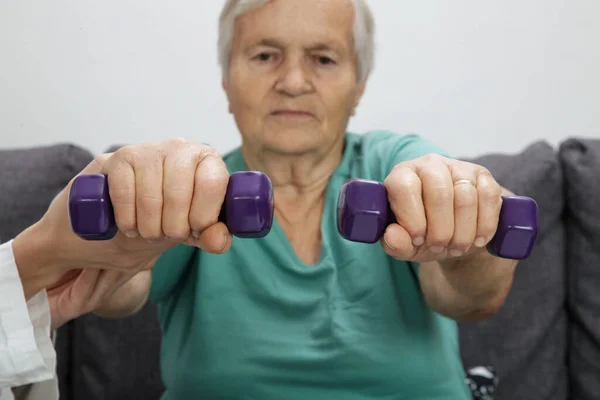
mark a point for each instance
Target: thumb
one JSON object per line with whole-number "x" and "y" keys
{"x": 397, "y": 243}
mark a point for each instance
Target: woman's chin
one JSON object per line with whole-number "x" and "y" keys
{"x": 294, "y": 141}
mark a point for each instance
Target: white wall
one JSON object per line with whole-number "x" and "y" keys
{"x": 474, "y": 76}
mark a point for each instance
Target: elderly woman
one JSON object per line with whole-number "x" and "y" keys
{"x": 301, "y": 313}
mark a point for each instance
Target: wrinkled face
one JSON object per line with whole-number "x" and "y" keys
{"x": 292, "y": 83}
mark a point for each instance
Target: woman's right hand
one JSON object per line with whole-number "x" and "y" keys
{"x": 163, "y": 194}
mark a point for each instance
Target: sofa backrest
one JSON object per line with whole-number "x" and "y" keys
{"x": 526, "y": 341}
{"x": 581, "y": 164}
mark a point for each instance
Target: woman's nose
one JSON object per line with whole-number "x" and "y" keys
{"x": 295, "y": 79}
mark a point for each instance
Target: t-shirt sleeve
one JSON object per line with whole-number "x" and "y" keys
{"x": 385, "y": 149}
{"x": 169, "y": 269}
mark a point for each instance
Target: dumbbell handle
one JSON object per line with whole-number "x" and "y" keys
{"x": 247, "y": 208}
{"x": 364, "y": 213}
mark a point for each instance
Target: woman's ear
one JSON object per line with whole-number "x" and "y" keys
{"x": 359, "y": 93}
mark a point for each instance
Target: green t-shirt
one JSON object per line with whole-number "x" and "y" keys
{"x": 257, "y": 323}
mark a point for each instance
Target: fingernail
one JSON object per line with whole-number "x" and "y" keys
{"x": 456, "y": 253}
{"x": 418, "y": 241}
{"x": 480, "y": 242}
{"x": 436, "y": 249}
{"x": 131, "y": 234}
{"x": 387, "y": 243}
{"x": 225, "y": 239}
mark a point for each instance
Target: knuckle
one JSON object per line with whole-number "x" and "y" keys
{"x": 213, "y": 181}
{"x": 429, "y": 157}
{"x": 402, "y": 184}
{"x": 486, "y": 229}
{"x": 100, "y": 159}
{"x": 137, "y": 155}
{"x": 441, "y": 196}
{"x": 438, "y": 238}
{"x": 177, "y": 195}
{"x": 121, "y": 193}
{"x": 174, "y": 144}
{"x": 178, "y": 232}
{"x": 127, "y": 152}
{"x": 151, "y": 234}
{"x": 149, "y": 205}
{"x": 461, "y": 243}
{"x": 178, "y": 141}
{"x": 210, "y": 151}
{"x": 416, "y": 228}
{"x": 126, "y": 224}
{"x": 465, "y": 197}
{"x": 490, "y": 194}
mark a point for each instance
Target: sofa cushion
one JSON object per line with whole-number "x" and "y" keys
{"x": 526, "y": 340}
{"x": 30, "y": 178}
{"x": 581, "y": 164}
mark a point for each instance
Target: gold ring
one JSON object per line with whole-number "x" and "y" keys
{"x": 463, "y": 181}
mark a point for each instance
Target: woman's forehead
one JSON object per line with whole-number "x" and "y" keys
{"x": 313, "y": 22}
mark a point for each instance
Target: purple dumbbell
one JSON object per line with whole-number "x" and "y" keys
{"x": 247, "y": 210}
{"x": 364, "y": 212}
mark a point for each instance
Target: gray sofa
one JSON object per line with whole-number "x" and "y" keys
{"x": 544, "y": 343}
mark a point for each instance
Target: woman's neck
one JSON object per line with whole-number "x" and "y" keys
{"x": 299, "y": 185}
{"x": 296, "y": 175}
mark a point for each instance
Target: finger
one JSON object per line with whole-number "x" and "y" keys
{"x": 121, "y": 186}
{"x": 397, "y": 243}
{"x": 178, "y": 189}
{"x": 438, "y": 198}
{"x": 465, "y": 218}
{"x": 210, "y": 186}
{"x": 465, "y": 208}
{"x": 149, "y": 196}
{"x": 108, "y": 283}
{"x": 83, "y": 287}
{"x": 489, "y": 206}
{"x": 66, "y": 278}
{"x": 215, "y": 239}
{"x": 405, "y": 195}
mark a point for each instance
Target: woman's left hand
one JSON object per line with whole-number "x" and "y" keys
{"x": 444, "y": 209}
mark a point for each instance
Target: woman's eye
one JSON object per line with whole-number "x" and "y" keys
{"x": 264, "y": 57}
{"x": 323, "y": 60}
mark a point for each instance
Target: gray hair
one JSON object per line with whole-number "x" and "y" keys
{"x": 364, "y": 32}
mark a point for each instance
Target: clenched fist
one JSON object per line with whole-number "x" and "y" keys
{"x": 444, "y": 208}
{"x": 162, "y": 194}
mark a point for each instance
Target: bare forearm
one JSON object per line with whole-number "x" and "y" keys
{"x": 468, "y": 288}
{"x": 127, "y": 299}
{"x": 34, "y": 259}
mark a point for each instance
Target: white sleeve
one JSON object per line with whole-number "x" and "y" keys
{"x": 27, "y": 353}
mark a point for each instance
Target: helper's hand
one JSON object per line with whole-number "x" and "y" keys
{"x": 81, "y": 291}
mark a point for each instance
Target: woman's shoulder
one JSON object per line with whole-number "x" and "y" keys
{"x": 373, "y": 154}
{"x": 393, "y": 144}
